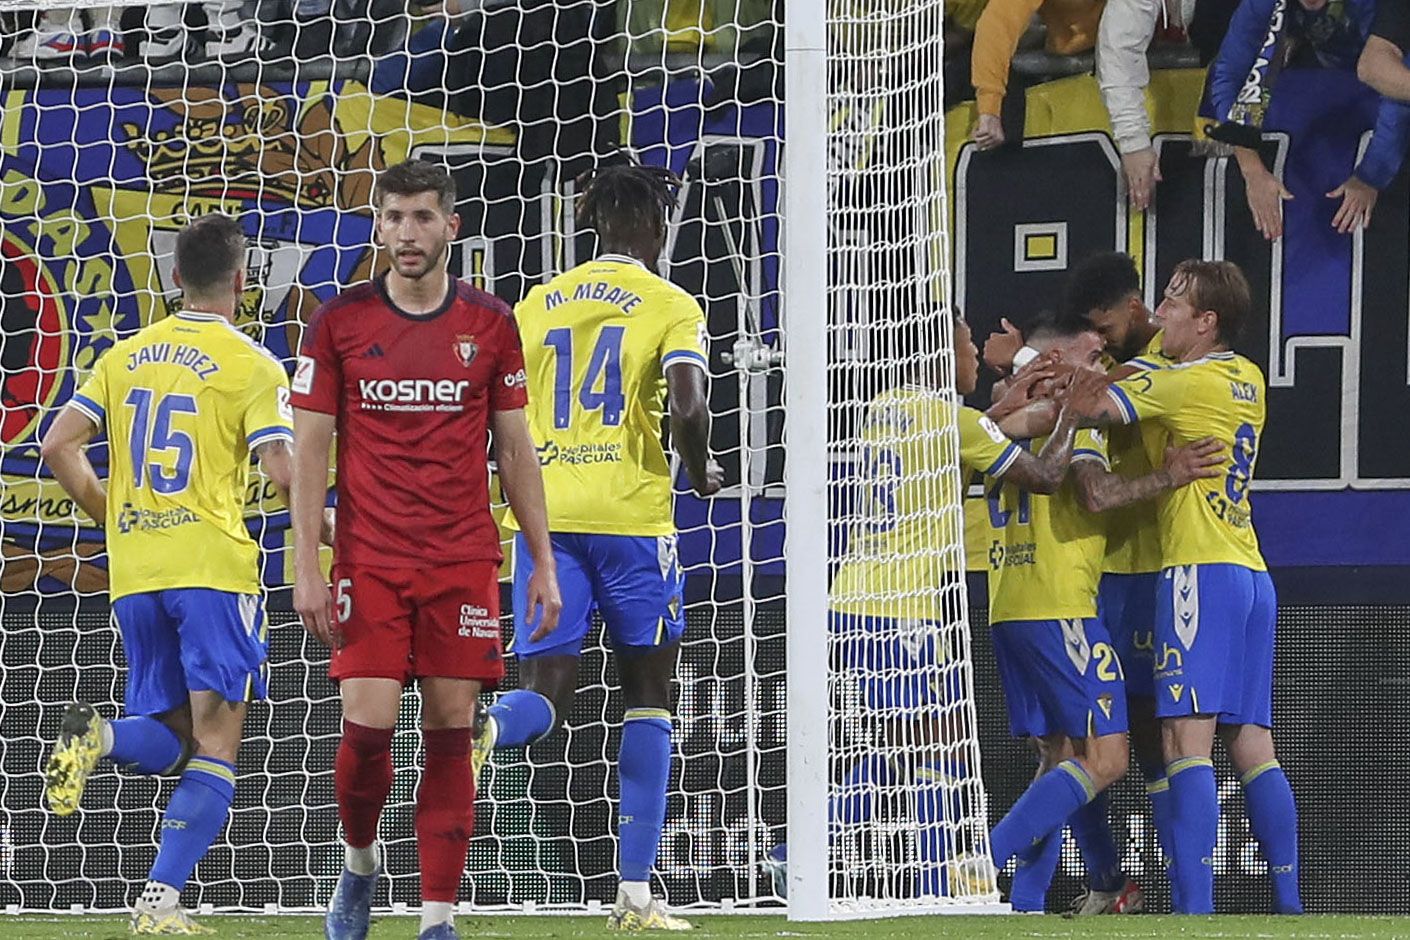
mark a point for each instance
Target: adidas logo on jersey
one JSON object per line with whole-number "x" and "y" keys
{"x": 374, "y": 352}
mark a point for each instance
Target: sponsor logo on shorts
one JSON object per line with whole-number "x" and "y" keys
{"x": 131, "y": 518}
{"x": 1176, "y": 690}
{"x": 1104, "y": 701}
{"x": 477, "y": 622}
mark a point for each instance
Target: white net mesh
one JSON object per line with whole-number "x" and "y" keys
{"x": 122, "y": 122}
{"x": 907, "y": 813}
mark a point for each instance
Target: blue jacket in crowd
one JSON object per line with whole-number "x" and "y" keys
{"x": 1249, "y": 61}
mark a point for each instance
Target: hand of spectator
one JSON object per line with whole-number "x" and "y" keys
{"x": 989, "y": 132}
{"x": 1266, "y": 195}
{"x": 1142, "y": 173}
{"x": 1001, "y": 347}
{"x": 1358, "y": 199}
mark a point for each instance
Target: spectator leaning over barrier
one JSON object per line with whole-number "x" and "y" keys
{"x": 1264, "y": 36}
{"x": 1126, "y": 31}
{"x": 1072, "y": 29}
{"x": 1383, "y": 62}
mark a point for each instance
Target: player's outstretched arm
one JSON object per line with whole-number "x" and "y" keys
{"x": 1100, "y": 489}
{"x": 1045, "y": 472}
{"x": 522, "y": 481}
{"x": 62, "y": 450}
{"x": 313, "y": 430}
{"x": 690, "y": 425}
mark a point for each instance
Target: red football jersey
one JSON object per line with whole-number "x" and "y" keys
{"x": 413, "y": 396}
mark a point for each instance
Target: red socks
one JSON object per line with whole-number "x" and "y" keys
{"x": 445, "y": 812}
{"x": 362, "y": 778}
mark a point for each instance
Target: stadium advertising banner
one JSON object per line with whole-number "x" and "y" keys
{"x": 1329, "y": 325}
{"x": 95, "y": 182}
{"x": 94, "y": 185}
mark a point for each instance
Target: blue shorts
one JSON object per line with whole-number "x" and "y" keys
{"x": 634, "y": 581}
{"x": 1214, "y": 630}
{"x": 1060, "y": 677}
{"x": 902, "y": 670}
{"x": 1126, "y": 606}
{"x": 185, "y": 640}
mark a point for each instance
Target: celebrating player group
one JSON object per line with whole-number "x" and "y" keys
{"x": 1127, "y": 593}
{"x": 1132, "y": 599}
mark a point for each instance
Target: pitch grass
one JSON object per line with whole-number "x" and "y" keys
{"x": 1050, "y": 927}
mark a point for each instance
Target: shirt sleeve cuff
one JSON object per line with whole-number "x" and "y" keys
{"x": 1001, "y": 466}
{"x": 271, "y": 433}
{"x": 1086, "y": 453}
{"x": 683, "y": 355}
{"x": 1123, "y": 404}
{"x": 89, "y": 408}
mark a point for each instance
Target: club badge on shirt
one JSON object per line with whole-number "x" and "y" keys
{"x": 466, "y": 349}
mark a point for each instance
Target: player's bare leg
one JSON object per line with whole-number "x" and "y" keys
{"x": 362, "y": 776}
{"x": 445, "y": 802}
{"x": 194, "y": 816}
{"x": 643, "y": 766}
{"x": 1272, "y": 813}
{"x": 1188, "y": 743}
{"x": 554, "y": 678}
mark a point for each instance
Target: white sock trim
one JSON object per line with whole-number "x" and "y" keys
{"x": 436, "y": 912}
{"x": 360, "y": 861}
{"x": 158, "y": 897}
{"x": 635, "y": 893}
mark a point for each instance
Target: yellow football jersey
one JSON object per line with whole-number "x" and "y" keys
{"x": 1222, "y": 395}
{"x": 184, "y": 403}
{"x": 1045, "y": 558}
{"x": 1132, "y": 534}
{"x": 900, "y": 551}
{"x": 597, "y": 342}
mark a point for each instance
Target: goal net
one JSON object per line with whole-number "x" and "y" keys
{"x": 122, "y": 122}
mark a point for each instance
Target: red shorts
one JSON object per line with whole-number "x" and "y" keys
{"x": 404, "y": 623}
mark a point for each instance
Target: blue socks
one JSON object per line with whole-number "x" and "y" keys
{"x": 852, "y": 805}
{"x": 643, "y": 767}
{"x": 1163, "y": 815}
{"x": 1033, "y": 873}
{"x": 1091, "y": 830}
{"x": 1044, "y": 807}
{"x": 144, "y": 745}
{"x": 1273, "y": 817}
{"x": 522, "y": 717}
{"x": 194, "y": 817}
{"x": 1196, "y": 802}
{"x": 934, "y": 805}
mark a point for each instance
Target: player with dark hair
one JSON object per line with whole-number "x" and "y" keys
{"x": 412, "y": 370}
{"x": 184, "y": 403}
{"x": 1215, "y": 609}
{"x": 604, "y": 343}
{"x": 1062, "y": 677}
{"x": 1105, "y": 291}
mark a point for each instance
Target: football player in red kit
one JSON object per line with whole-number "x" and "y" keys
{"x": 412, "y": 371}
